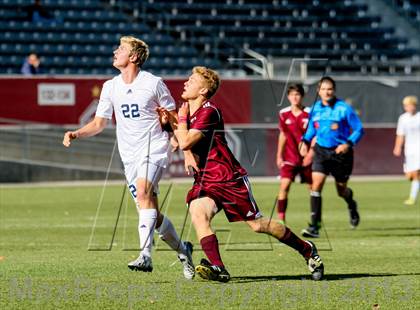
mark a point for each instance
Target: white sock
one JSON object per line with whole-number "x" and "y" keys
{"x": 147, "y": 223}
{"x": 168, "y": 234}
{"x": 415, "y": 185}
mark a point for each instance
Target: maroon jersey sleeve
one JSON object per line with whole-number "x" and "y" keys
{"x": 282, "y": 125}
{"x": 206, "y": 120}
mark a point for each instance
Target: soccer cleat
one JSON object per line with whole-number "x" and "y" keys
{"x": 211, "y": 272}
{"x": 410, "y": 202}
{"x": 354, "y": 215}
{"x": 187, "y": 262}
{"x": 311, "y": 232}
{"x": 142, "y": 263}
{"x": 315, "y": 264}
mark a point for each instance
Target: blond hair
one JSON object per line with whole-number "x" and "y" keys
{"x": 211, "y": 79}
{"x": 138, "y": 47}
{"x": 410, "y": 100}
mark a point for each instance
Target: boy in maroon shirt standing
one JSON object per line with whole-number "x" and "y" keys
{"x": 221, "y": 182}
{"x": 293, "y": 121}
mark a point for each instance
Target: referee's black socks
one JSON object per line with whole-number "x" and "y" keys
{"x": 348, "y": 197}
{"x": 316, "y": 209}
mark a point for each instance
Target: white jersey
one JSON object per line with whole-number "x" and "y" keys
{"x": 139, "y": 132}
{"x": 409, "y": 127}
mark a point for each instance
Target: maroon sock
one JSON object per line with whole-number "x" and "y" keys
{"x": 210, "y": 246}
{"x": 281, "y": 208}
{"x": 295, "y": 242}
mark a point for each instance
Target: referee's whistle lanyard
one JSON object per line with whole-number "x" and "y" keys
{"x": 332, "y": 101}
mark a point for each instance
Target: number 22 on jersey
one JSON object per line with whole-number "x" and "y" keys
{"x": 130, "y": 110}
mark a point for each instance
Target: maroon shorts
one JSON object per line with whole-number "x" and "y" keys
{"x": 290, "y": 172}
{"x": 234, "y": 197}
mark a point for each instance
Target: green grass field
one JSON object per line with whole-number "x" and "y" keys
{"x": 58, "y": 250}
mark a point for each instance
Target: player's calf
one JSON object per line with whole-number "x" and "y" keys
{"x": 347, "y": 195}
{"x": 267, "y": 226}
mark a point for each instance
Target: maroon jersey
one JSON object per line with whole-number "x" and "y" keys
{"x": 293, "y": 128}
{"x": 216, "y": 161}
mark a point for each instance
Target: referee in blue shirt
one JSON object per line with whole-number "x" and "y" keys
{"x": 336, "y": 129}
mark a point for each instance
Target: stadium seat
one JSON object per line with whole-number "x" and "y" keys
{"x": 202, "y": 32}
{"x": 409, "y": 9}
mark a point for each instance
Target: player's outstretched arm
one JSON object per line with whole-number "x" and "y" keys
{"x": 92, "y": 128}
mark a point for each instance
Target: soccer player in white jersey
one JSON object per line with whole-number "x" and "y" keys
{"x": 134, "y": 96}
{"x": 408, "y": 134}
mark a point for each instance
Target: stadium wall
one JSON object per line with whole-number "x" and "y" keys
{"x": 68, "y": 100}
{"x": 249, "y": 106}
{"x": 373, "y": 155}
{"x": 376, "y": 101}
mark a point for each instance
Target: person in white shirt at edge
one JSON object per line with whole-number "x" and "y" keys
{"x": 134, "y": 96}
{"x": 408, "y": 134}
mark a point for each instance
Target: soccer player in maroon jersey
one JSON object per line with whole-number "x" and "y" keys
{"x": 293, "y": 121}
{"x": 221, "y": 182}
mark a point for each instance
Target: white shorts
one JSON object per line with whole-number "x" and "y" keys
{"x": 411, "y": 162}
{"x": 144, "y": 169}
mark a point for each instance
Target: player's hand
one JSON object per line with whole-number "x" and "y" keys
{"x": 342, "y": 148}
{"x": 184, "y": 109}
{"x": 303, "y": 149}
{"x": 397, "y": 151}
{"x": 279, "y": 162}
{"x": 163, "y": 115}
{"x": 307, "y": 160}
{"x": 68, "y": 136}
{"x": 174, "y": 144}
{"x": 190, "y": 162}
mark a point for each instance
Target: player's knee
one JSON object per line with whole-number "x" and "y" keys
{"x": 342, "y": 192}
{"x": 143, "y": 194}
{"x": 198, "y": 217}
{"x": 411, "y": 176}
{"x": 200, "y": 221}
{"x": 284, "y": 191}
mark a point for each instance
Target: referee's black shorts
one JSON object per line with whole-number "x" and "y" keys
{"x": 327, "y": 161}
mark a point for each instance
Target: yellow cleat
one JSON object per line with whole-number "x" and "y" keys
{"x": 410, "y": 202}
